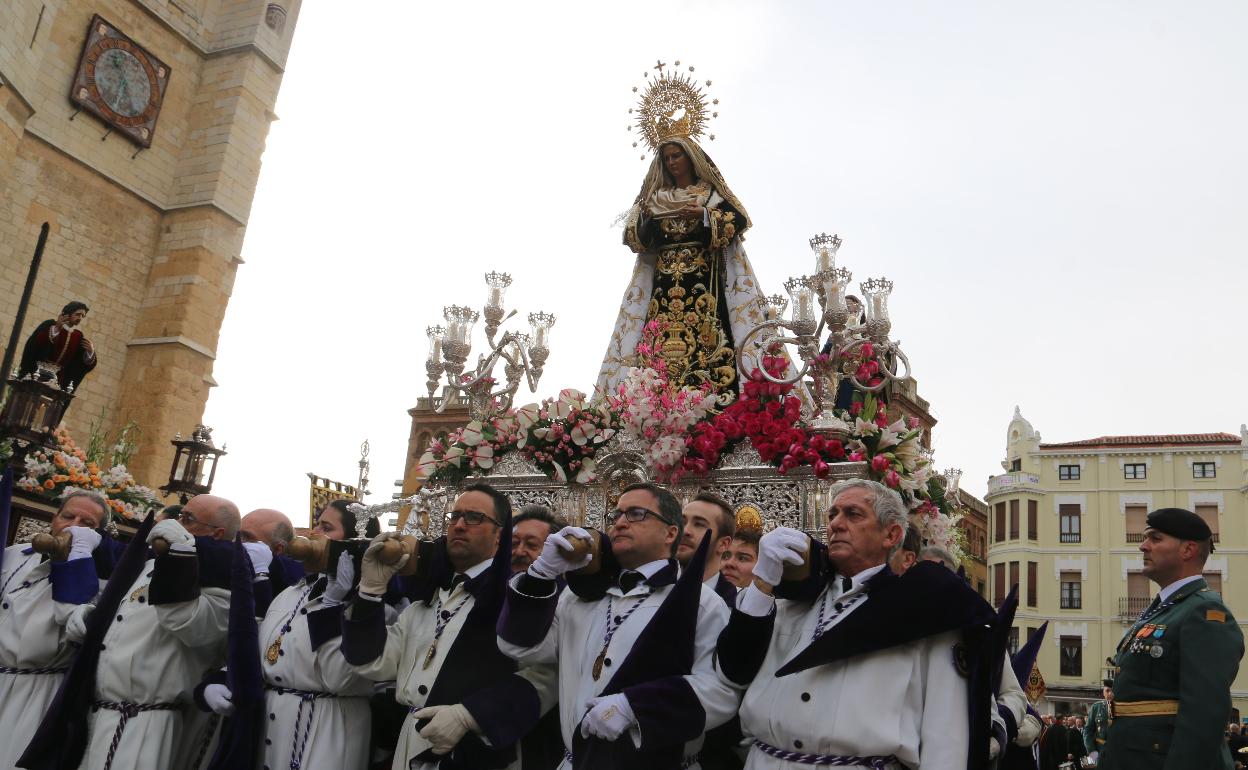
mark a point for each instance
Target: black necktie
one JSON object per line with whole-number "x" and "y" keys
{"x": 846, "y": 584}
{"x": 459, "y": 578}
{"x": 629, "y": 580}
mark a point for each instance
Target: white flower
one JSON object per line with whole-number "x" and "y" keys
{"x": 586, "y": 473}
{"x": 471, "y": 434}
{"x": 485, "y": 457}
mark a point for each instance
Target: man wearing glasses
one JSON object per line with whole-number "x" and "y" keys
{"x": 468, "y": 704}
{"x": 637, "y": 686}
{"x": 169, "y": 629}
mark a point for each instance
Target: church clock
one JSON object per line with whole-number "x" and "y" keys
{"x": 120, "y": 82}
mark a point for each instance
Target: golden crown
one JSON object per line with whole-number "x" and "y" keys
{"x": 749, "y": 518}
{"x": 671, "y": 105}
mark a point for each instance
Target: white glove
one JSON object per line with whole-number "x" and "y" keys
{"x": 173, "y": 533}
{"x": 447, "y": 726}
{"x": 261, "y": 557}
{"x": 219, "y": 699}
{"x": 1028, "y": 730}
{"x": 340, "y": 582}
{"x": 83, "y": 541}
{"x": 994, "y": 748}
{"x": 609, "y": 716}
{"x": 781, "y": 546}
{"x": 557, "y": 557}
{"x": 375, "y": 576}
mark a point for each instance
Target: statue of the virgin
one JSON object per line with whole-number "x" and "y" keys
{"x": 692, "y": 274}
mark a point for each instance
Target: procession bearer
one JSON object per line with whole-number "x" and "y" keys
{"x": 36, "y": 596}
{"x": 637, "y": 687}
{"x": 468, "y": 705}
{"x": 1176, "y": 664}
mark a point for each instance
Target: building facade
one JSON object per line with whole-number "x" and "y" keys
{"x": 974, "y": 526}
{"x": 1065, "y": 522}
{"x": 144, "y": 167}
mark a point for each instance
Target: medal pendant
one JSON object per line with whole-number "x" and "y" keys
{"x": 602, "y": 656}
{"x": 274, "y": 651}
{"x": 433, "y": 650}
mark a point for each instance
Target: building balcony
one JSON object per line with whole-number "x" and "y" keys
{"x": 1131, "y": 606}
{"x": 1135, "y": 537}
{"x": 1014, "y": 481}
{"x": 1070, "y": 537}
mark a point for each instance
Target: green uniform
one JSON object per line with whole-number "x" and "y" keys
{"x": 1096, "y": 728}
{"x": 1172, "y": 694}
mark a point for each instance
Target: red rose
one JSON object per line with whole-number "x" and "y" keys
{"x": 880, "y": 463}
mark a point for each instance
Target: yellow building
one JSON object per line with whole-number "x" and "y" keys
{"x": 1065, "y": 523}
{"x": 135, "y": 128}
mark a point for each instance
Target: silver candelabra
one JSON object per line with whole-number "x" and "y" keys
{"x": 523, "y": 355}
{"x": 848, "y": 334}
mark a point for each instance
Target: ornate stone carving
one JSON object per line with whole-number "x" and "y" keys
{"x": 275, "y": 18}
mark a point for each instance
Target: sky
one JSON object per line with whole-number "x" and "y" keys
{"x": 1056, "y": 189}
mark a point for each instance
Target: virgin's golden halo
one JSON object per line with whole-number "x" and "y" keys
{"x": 748, "y": 518}
{"x": 672, "y": 104}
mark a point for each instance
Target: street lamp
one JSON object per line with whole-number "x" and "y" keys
{"x": 194, "y": 460}
{"x": 33, "y": 410}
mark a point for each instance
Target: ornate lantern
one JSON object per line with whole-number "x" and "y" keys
{"x": 34, "y": 409}
{"x": 194, "y": 464}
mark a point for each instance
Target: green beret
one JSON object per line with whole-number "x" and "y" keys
{"x": 1180, "y": 523}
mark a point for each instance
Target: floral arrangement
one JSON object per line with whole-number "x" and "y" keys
{"x": 560, "y": 436}
{"x": 657, "y": 411}
{"x": 55, "y": 473}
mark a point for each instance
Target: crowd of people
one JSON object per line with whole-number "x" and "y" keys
{"x": 669, "y": 639}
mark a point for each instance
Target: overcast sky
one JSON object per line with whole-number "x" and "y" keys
{"x": 1057, "y": 190}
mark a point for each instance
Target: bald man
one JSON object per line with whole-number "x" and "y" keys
{"x": 273, "y": 528}
{"x": 169, "y": 629}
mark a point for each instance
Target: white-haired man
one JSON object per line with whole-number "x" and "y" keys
{"x": 36, "y": 596}
{"x": 855, "y": 666}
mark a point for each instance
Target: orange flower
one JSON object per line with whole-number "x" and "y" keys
{"x": 58, "y": 460}
{"x": 48, "y": 484}
{"x": 58, "y": 478}
{"x": 117, "y": 506}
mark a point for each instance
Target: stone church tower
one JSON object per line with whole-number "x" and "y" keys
{"x": 148, "y": 236}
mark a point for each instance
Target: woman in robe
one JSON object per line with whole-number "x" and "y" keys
{"x": 692, "y": 275}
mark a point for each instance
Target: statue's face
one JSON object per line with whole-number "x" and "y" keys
{"x": 74, "y": 318}
{"x": 676, "y": 161}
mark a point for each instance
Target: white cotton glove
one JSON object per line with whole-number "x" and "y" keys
{"x": 557, "y": 557}
{"x": 781, "y": 546}
{"x": 1028, "y": 730}
{"x": 219, "y": 699}
{"x": 83, "y": 541}
{"x": 173, "y": 533}
{"x": 340, "y": 582}
{"x": 447, "y": 726}
{"x": 375, "y": 576}
{"x": 994, "y": 748}
{"x": 261, "y": 557}
{"x": 609, "y": 716}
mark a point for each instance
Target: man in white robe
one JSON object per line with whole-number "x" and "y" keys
{"x": 468, "y": 704}
{"x": 858, "y": 667}
{"x": 168, "y": 631}
{"x": 37, "y": 594}
{"x": 636, "y": 681}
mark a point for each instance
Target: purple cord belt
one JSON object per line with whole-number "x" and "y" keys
{"x": 127, "y": 711}
{"x": 827, "y": 760}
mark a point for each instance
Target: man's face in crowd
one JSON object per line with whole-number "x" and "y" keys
{"x": 635, "y": 543}
{"x": 527, "y": 539}
{"x": 78, "y": 511}
{"x": 257, "y": 527}
{"x": 856, "y": 540}
{"x": 1163, "y": 556}
{"x": 738, "y": 566}
{"x": 902, "y": 561}
{"x": 470, "y": 544}
{"x": 700, "y": 518}
{"x": 201, "y": 517}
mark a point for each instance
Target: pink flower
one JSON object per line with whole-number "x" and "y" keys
{"x": 879, "y": 463}
{"x": 892, "y": 479}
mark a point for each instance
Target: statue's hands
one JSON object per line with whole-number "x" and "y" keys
{"x": 693, "y": 211}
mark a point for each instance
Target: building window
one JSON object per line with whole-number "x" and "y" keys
{"x": 1068, "y": 473}
{"x": 1013, "y": 519}
{"x": 999, "y": 533}
{"x": 1135, "y": 471}
{"x": 1137, "y": 522}
{"x": 980, "y": 588}
{"x": 1072, "y": 656}
{"x": 1209, "y": 512}
{"x": 1013, "y": 640}
{"x": 998, "y": 584}
{"x": 1033, "y": 516}
{"x": 1016, "y": 465}
{"x": 1033, "y": 584}
{"x": 1071, "y": 524}
{"x": 1214, "y": 579}
{"x": 1013, "y": 575}
{"x": 1204, "y": 471}
{"x": 1072, "y": 590}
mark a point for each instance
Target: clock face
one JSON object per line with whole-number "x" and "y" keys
{"x": 122, "y": 82}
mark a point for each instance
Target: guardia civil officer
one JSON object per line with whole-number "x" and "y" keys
{"x": 1177, "y": 661}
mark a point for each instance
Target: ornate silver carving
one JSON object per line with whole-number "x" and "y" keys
{"x": 28, "y": 527}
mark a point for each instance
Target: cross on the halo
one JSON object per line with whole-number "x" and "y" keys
{"x": 659, "y": 65}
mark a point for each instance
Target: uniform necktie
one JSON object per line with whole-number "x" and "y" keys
{"x": 629, "y": 580}
{"x": 1150, "y": 608}
{"x": 846, "y": 584}
{"x": 459, "y": 578}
